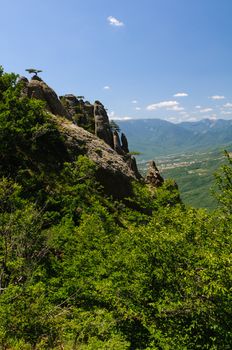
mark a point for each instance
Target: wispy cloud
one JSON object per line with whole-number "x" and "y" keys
{"x": 206, "y": 110}
{"x": 111, "y": 114}
{"x": 115, "y": 22}
{"x": 164, "y": 104}
{"x": 181, "y": 94}
{"x": 228, "y": 105}
{"x": 137, "y": 108}
{"x": 123, "y": 118}
{"x": 134, "y": 101}
{"x": 217, "y": 97}
{"x": 226, "y": 112}
{"x": 107, "y": 87}
{"x": 198, "y": 107}
{"x": 176, "y": 109}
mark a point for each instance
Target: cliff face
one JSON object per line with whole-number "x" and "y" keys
{"x": 86, "y": 130}
{"x": 113, "y": 171}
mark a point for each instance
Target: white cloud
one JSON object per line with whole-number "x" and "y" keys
{"x": 213, "y": 117}
{"x": 198, "y": 107}
{"x": 192, "y": 119}
{"x": 228, "y": 105}
{"x": 137, "y": 108}
{"x": 134, "y": 101}
{"x": 217, "y": 97}
{"x": 175, "y": 108}
{"x": 165, "y": 104}
{"x": 181, "y": 94}
{"x": 107, "y": 87}
{"x": 123, "y": 118}
{"x": 206, "y": 110}
{"x": 111, "y": 114}
{"x": 226, "y": 112}
{"x": 114, "y": 22}
{"x": 172, "y": 119}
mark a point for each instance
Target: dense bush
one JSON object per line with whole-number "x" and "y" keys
{"x": 81, "y": 271}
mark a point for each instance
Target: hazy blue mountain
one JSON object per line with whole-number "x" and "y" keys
{"x": 159, "y": 137}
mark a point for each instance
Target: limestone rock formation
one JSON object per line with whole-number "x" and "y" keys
{"x": 102, "y": 125}
{"x": 131, "y": 161}
{"x": 70, "y": 102}
{"x": 82, "y": 112}
{"x": 116, "y": 167}
{"x": 153, "y": 175}
{"x": 38, "y": 89}
{"x": 124, "y": 142}
{"x": 117, "y": 145}
{"x": 113, "y": 171}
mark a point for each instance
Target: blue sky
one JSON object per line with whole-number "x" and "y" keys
{"x": 169, "y": 59}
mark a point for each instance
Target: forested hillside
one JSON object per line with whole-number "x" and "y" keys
{"x": 83, "y": 268}
{"x": 156, "y": 137}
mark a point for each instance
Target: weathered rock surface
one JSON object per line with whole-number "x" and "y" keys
{"x": 153, "y": 175}
{"x": 117, "y": 144}
{"x": 113, "y": 171}
{"x": 124, "y": 143}
{"x": 37, "y": 88}
{"x": 102, "y": 125}
{"x": 116, "y": 167}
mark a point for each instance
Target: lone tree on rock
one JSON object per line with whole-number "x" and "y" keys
{"x": 33, "y": 71}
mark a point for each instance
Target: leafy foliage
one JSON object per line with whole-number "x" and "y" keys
{"x": 224, "y": 183}
{"x": 81, "y": 271}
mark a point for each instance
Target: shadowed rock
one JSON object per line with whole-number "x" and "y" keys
{"x": 38, "y": 89}
{"x": 71, "y": 102}
{"x": 102, "y": 125}
{"x": 23, "y": 81}
{"x": 117, "y": 145}
{"x": 153, "y": 175}
{"x": 124, "y": 142}
{"x": 131, "y": 161}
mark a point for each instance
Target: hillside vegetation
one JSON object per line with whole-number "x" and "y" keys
{"x": 82, "y": 270}
{"x": 189, "y": 152}
{"x": 156, "y": 137}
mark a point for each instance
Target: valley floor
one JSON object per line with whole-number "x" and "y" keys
{"x": 194, "y": 174}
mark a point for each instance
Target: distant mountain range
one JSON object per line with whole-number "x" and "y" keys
{"x": 156, "y": 137}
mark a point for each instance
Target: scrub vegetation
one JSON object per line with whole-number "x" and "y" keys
{"x": 80, "y": 270}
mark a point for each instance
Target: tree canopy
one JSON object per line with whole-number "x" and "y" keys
{"x": 33, "y": 71}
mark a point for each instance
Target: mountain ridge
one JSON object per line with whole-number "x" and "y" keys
{"x": 160, "y": 137}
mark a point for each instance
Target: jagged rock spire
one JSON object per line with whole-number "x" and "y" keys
{"x": 117, "y": 145}
{"x": 153, "y": 175}
{"x": 102, "y": 125}
{"x": 124, "y": 142}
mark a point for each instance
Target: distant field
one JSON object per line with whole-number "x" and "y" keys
{"x": 194, "y": 174}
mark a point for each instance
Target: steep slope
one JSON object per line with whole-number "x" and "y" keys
{"x": 113, "y": 171}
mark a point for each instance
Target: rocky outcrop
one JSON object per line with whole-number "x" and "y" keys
{"x": 113, "y": 171}
{"x": 131, "y": 161}
{"x": 116, "y": 167}
{"x": 117, "y": 145}
{"x": 124, "y": 143}
{"x": 153, "y": 175}
{"x": 38, "y": 89}
{"x": 102, "y": 125}
{"x": 70, "y": 102}
{"x": 82, "y": 112}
